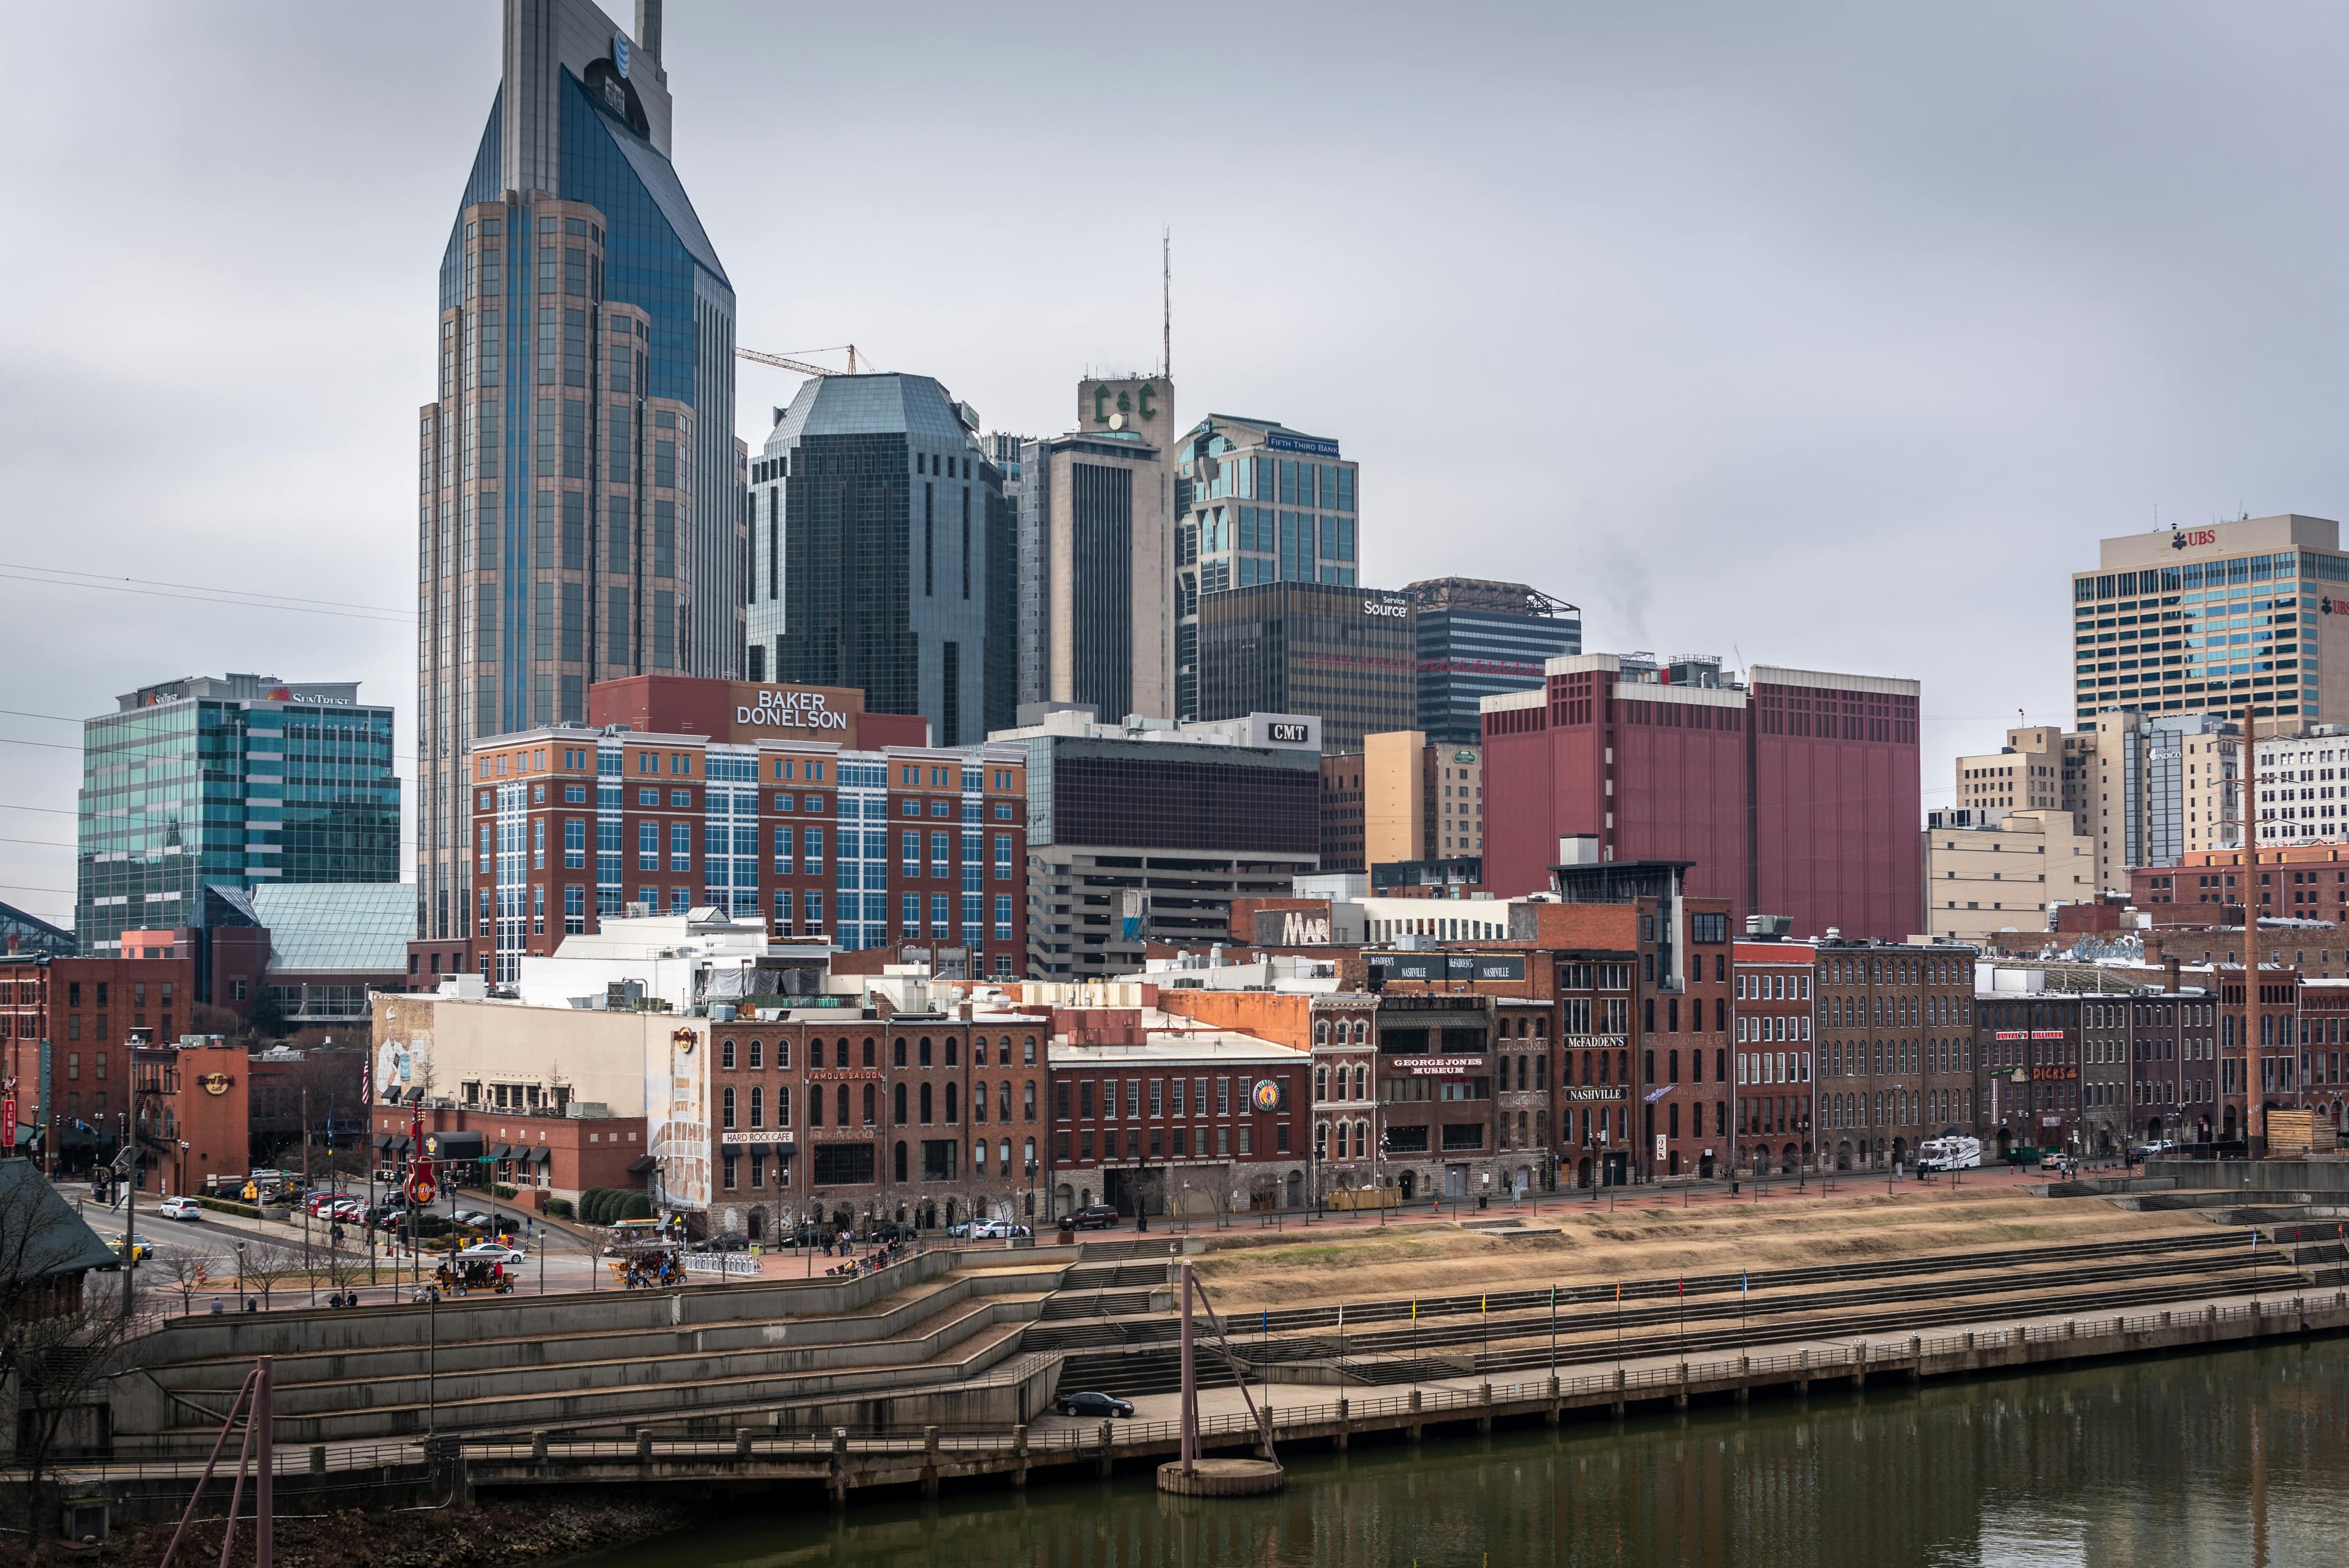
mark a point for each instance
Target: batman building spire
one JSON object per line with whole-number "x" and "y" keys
{"x": 579, "y": 514}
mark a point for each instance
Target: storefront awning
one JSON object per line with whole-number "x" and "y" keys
{"x": 542, "y": 1156}
{"x": 383, "y": 1140}
{"x": 399, "y": 1145}
{"x": 503, "y": 1151}
{"x": 643, "y": 1165}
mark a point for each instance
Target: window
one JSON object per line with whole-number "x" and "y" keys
{"x": 574, "y": 843}
{"x": 647, "y": 846}
{"x": 681, "y": 846}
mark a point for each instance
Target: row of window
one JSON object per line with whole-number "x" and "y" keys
{"x": 919, "y": 1106}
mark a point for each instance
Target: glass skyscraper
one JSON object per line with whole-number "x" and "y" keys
{"x": 1478, "y": 638}
{"x": 241, "y": 780}
{"x": 580, "y": 512}
{"x": 883, "y": 555}
{"x": 1255, "y": 501}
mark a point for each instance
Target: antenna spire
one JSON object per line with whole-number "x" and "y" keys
{"x": 1166, "y": 304}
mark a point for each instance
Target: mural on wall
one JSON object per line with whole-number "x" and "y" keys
{"x": 676, "y": 1104}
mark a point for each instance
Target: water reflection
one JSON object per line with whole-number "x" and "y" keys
{"x": 2214, "y": 1459}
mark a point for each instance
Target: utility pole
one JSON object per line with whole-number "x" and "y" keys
{"x": 308, "y": 1268}
{"x": 130, "y": 1210}
{"x": 2246, "y": 855}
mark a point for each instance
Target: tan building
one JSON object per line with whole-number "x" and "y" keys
{"x": 1419, "y": 801}
{"x": 1982, "y": 879}
{"x": 2210, "y": 619}
{"x": 1097, "y": 554}
{"x": 2145, "y": 789}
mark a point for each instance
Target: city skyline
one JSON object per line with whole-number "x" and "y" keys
{"x": 1934, "y": 342}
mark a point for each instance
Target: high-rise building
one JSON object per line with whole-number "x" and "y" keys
{"x": 1988, "y": 873}
{"x": 2142, "y": 789}
{"x": 1097, "y": 552}
{"x": 1421, "y": 799}
{"x": 1255, "y": 501}
{"x": 2215, "y": 619}
{"x": 235, "y": 779}
{"x": 1794, "y": 794}
{"x": 1146, "y": 832}
{"x": 1479, "y": 639}
{"x": 2304, "y": 788}
{"x": 580, "y": 515}
{"x": 1343, "y": 653}
{"x": 882, "y": 554}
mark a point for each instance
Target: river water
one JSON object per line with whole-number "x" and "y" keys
{"x": 2235, "y": 1458}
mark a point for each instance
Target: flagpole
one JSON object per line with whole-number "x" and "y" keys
{"x": 1553, "y": 1333}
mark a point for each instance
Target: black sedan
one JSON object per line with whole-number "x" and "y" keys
{"x": 1096, "y": 1217}
{"x": 1093, "y": 1405}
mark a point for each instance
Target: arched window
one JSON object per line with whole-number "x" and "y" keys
{"x": 843, "y": 1102}
{"x": 782, "y": 1105}
{"x": 870, "y": 1059}
{"x": 872, "y": 1099}
{"x": 1028, "y": 1051}
{"x": 925, "y": 1105}
{"x": 726, "y": 1103}
{"x": 1003, "y": 1050}
{"x": 758, "y": 1106}
{"x": 953, "y": 1052}
{"x": 815, "y": 1106}
{"x": 923, "y": 1056}
{"x": 952, "y": 1108}
{"x": 897, "y": 1051}
{"x": 978, "y": 1090}
{"x": 901, "y": 1160}
{"x": 726, "y": 1054}
{"x": 1003, "y": 1103}
{"x": 979, "y": 1049}
{"x": 1320, "y": 1083}
{"x": 1321, "y": 1033}
{"x": 1321, "y": 1140}
{"x": 1362, "y": 1083}
{"x": 1028, "y": 1154}
{"x": 1027, "y": 1101}
{"x": 897, "y": 1106}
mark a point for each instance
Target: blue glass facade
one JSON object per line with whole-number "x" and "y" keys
{"x": 187, "y": 790}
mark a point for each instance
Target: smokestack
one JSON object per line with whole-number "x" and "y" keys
{"x": 2170, "y": 973}
{"x": 649, "y": 30}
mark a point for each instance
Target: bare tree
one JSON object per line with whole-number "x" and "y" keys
{"x": 65, "y": 1327}
{"x": 264, "y": 1263}
{"x": 186, "y": 1270}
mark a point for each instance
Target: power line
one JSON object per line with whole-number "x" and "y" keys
{"x": 50, "y": 810}
{"x": 203, "y": 599}
{"x": 43, "y": 843}
{"x": 46, "y": 745}
{"x": 104, "y": 578}
{"x": 28, "y": 887}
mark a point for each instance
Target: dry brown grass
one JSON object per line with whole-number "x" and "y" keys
{"x": 1655, "y": 1238}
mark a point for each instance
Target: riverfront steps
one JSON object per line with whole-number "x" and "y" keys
{"x": 845, "y": 1462}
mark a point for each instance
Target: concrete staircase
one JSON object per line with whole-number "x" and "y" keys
{"x": 918, "y": 1342}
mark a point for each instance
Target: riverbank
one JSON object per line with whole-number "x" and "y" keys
{"x": 494, "y": 1533}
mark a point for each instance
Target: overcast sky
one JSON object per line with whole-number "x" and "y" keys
{"x": 1828, "y": 335}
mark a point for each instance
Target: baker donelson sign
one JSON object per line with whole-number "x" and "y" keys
{"x": 784, "y": 708}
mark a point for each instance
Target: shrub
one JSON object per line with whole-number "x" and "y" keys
{"x": 560, "y": 1207}
{"x": 222, "y": 1205}
{"x": 497, "y": 1192}
{"x": 634, "y": 1206}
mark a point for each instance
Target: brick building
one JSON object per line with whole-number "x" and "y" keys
{"x": 1797, "y": 794}
{"x": 65, "y": 1028}
{"x": 781, "y": 803}
{"x": 1776, "y": 1088}
{"x": 194, "y": 1108}
{"x": 539, "y": 1151}
{"x": 1897, "y": 1047}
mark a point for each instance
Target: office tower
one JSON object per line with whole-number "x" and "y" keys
{"x": 1342, "y": 653}
{"x": 1146, "y": 832}
{"x": 1421, "y": 799}
{"x": 1096, "y": 551}
{"x": 235, "y": 779}
{"x": 882, "y": 554}
{"x": 1255, "y": 501}
{"x": 2213, "y": 619}
{"x": 1479, "y": 639}
{"x": 1793, "y": 794}
{"x": 580, "y": 515}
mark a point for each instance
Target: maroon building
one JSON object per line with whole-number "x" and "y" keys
{"x": 1797, "y": 794}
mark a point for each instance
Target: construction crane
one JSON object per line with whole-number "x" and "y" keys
{"x": 784, "y": 362}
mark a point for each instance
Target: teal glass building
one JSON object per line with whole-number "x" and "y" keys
{"x": 242, "y": 780}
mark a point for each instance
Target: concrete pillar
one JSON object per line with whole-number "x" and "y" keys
{"x": 836, "y": 1481}
{"x": 1345, "y": 1422}
{"x": 741, "y": 1442}
{"x": 930, "y": 1460}
{"x": 1105, "y": 1461}
{"x": 1859, "y": 1366}
{"x": 1619, "y": 1401}
{"x": 644, "y": 1445}
{"x": 538, "y": 1447}
{"x": 1416, "y": 1427}
{"x": 1019, "y": 1455}
{"x": 1485, "y": 1420}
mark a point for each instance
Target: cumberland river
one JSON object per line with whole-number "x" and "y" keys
{"x": 2236, "y": 1459}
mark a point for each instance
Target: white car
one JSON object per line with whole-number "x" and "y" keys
{"x": 181, "y": 1208}
{"x": 997, "y": 1230}
{"x": 491, "y": 1253}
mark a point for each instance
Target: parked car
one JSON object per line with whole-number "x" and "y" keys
{"x": 181, "y": 1207}
{"x": 492, "y": 1252}
{"x": 1096, "y": 1217}
{"x": 2156, "y": 1148}
{"x": 475, "y": 1218}
{"x": 997, "y": 1230}
{"x": 1093, "y": 1405}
